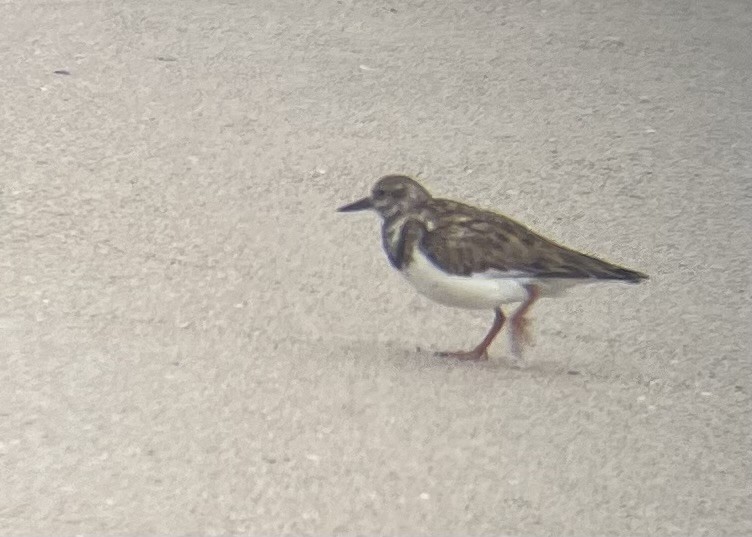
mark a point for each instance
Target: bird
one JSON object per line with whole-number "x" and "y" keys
{"x": 467, "y": 257}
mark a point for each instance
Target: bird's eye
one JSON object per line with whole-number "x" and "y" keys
{"x": 379, "y": 193}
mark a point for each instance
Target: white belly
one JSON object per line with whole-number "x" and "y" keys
{"x": 469, "y": 292}
{"x": 480, "y": 291}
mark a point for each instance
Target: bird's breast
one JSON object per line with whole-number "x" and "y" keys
{"x": 391, "y": 234}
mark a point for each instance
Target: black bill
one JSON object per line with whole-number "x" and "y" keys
{"x": 360, "y": 205}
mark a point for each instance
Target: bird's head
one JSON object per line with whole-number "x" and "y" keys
{"x": 390, "y": 196}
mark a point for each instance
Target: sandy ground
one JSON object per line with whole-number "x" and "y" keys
{"x": 194, "y": 341}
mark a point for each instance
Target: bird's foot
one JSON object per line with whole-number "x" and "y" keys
{"x": 473, "y": 355}
{"x": 519, "y": 336}
{"x": 517, "y": 362}
{"x": 521, "y": 330}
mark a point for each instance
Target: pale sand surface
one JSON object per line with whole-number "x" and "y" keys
{"x": 193, "y": 341}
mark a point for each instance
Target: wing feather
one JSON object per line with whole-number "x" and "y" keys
{"x": 484, "y": 241}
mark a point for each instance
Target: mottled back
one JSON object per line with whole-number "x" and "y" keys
{"x": 464, "y": 240}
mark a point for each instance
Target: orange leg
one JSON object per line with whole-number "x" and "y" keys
{"x": 481, "y": 351}
{"x": 519, "y": 330}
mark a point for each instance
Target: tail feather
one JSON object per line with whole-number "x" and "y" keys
{"x": 603, "y": 270}
{"x": 579, "y": 265}
{"x": 628, "y": 275}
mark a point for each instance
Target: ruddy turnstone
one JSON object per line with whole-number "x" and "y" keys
{"x": 466, "y": 257}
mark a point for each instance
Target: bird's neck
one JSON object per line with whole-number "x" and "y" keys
{"x": 391, "y": 231}
{"x": 401, "y": 234}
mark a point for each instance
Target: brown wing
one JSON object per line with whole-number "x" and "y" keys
{"x": 478, "y": 241}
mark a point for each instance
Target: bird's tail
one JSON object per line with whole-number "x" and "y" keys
{"x": 593, "y": 267}
{"x": 627, "y": 275}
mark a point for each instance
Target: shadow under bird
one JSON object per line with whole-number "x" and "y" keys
{"x": 465, "y": 257}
